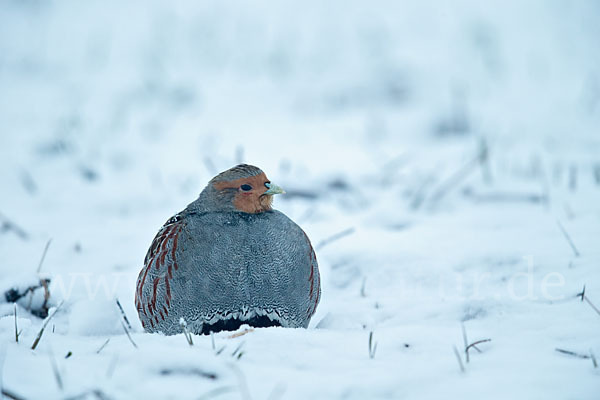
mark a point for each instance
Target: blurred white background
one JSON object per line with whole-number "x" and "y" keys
{"x": 446, "y": 139}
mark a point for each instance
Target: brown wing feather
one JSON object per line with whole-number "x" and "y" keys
{"x": 159, "y": 264}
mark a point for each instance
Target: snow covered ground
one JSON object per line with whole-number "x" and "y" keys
{"x": 443, "y": 157}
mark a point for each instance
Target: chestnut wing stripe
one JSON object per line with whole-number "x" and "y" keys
{"x": 161, "y": 256}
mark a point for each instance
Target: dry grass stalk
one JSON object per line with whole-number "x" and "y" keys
{"x": 334, "y": 237}
{"x": 459, "y": 360}
{"x": 238, "y": 334}
{"x": 128, "y": 335}
{"x": 188, "y": 335}
{"x": 587, "y": 300}
{"x": 123, "y": 315}
{"x": 17, "y": 332}
{"x": 372, "y": 346}
{"x": 103, "y": 346}
{"x": 44, "y": 325}
{"x": 568, "y": 238}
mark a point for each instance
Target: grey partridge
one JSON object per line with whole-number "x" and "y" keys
{"x": 229, "y": 259}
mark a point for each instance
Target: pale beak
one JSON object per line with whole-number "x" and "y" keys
{"x": 273, "y": 189}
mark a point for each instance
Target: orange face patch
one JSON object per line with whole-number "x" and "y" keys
{"x": 250, "y": 201}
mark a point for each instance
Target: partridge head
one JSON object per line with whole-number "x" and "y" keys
{"x": 244, "y": 188}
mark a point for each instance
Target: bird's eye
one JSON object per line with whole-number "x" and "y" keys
{"x": 268, "y": 185}
{"x": 245, "y": 187}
